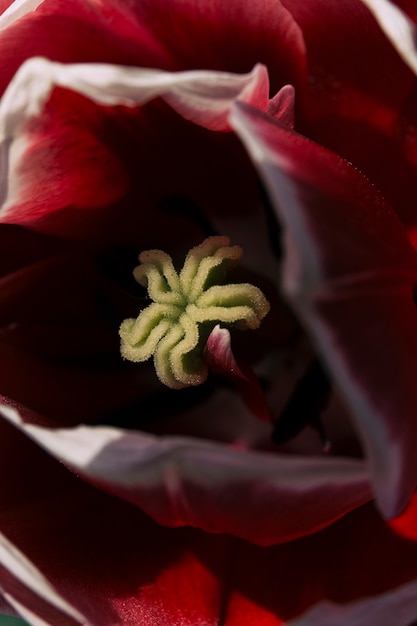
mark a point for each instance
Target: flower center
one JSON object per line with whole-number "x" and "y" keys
{"x": 186, "y": 307}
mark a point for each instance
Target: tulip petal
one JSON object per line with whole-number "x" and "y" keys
{"x": 76, "y": 32}
{"x": 400, "y": 602}
{"x": 203, "y": 97}
{"x": 397, "y": 26}
{"x": 220, "y": 359}
{"x": 184, "y": 481}
{"x": 408, "y": 6}
{"x": 16, "y": 10}
{"x": 200, "y": 35}
{"x": 99, "y": 555}
{"x": 116, "y": 566}
{"x": 349, "y": 273}
{"x": 23, "y": 584}
{"x": 360, "y": 100}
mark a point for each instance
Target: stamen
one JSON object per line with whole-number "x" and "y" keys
{"x": 186, "y": 307}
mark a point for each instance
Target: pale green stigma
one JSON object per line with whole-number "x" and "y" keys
{"x": 185, "y": 308}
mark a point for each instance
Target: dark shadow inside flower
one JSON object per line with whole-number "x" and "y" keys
{"x": 308, "y": 401}
{"x": 183, "y": 207}
{"x": 172, "y": 183}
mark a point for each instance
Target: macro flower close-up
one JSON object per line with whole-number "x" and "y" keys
{"x": 208, "y": 307}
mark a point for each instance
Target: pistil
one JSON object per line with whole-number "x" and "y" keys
{"x": 186, "y": 306}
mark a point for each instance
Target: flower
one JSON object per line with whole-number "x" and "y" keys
{"x": 289, "y": 128}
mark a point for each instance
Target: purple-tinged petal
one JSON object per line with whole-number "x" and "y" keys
{"x": 184, "y": 481}
{"x": 219, "y": 357}
{"x": 400, "y": 602}
{"x": 116, "y": 566}
{"x": 350, "y": 273}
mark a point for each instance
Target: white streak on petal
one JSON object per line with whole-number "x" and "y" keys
{"x": 16, "y": 10}
{"x": 21, "y": 568}
{"x": 399, "y": 29}
{"x": 182, "y": 481}
{"x": 24, "y": 612}
{"x": 204, "y": 97}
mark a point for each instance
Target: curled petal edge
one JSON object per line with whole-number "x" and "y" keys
{"x": 181, "y": 481}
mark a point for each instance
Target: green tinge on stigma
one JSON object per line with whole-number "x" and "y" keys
{"x": 185, "y": 309}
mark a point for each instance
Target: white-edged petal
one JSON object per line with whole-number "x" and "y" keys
{"x": 23, "y": 570}
{"x": 399, "y": 29}
{"x": 204, "y": 97}
{"x": 185, "y": 481}
{"x": 17, "y": 9}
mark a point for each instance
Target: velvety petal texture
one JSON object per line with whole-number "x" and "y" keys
{"x": 180, "y": 481}
{"x": 204, "y": 98}
{"x": 357, "y": 300}
{"x": 360, "y": 100}
{"x": 290, "y": 128}
{"x": 115, "y": 565}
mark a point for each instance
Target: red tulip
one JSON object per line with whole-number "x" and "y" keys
{"x": 289, "y": 128}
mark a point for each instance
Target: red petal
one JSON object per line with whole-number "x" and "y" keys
{"x": 101, "y": 555}
{"x": 220, "y": 359}
{"x": 360, "y": 100}
{"x": 52, "y": 180}
{"x": 185, "y": 481}
{"x": 77, "y": 32}
{"x": 409, "y": 7}
{"x": 350, "y": 273}
{"x": 406, "y": 523}
{"x": 281, "y": 106}
{"x": 261, "y": 33}
{"x": 114, "y": 565}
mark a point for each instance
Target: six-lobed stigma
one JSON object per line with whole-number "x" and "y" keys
{"x": 186, "y": 306}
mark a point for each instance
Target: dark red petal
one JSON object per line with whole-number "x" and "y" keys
{"x": 65, "y": 165}
{"x": 102, "y": 556}
{"x": 170, "y": 35}
{"x": 77, "y": 32}
{"x": 200, "y": 35}
{"x": 409, "y": 7}
{"x": 350, "y": 273}
{"x": 184, "y": 481}
{"x": 219, "y": 357}
{"x": 116, "y": 566}
{"x": 325, "y": 567}
{"x": 56, "y": 337}
{"x": 361, "y": 100}
{"x": 63, "y": 170}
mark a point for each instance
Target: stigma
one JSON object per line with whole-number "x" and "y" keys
{"x": 185, "y": 307}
